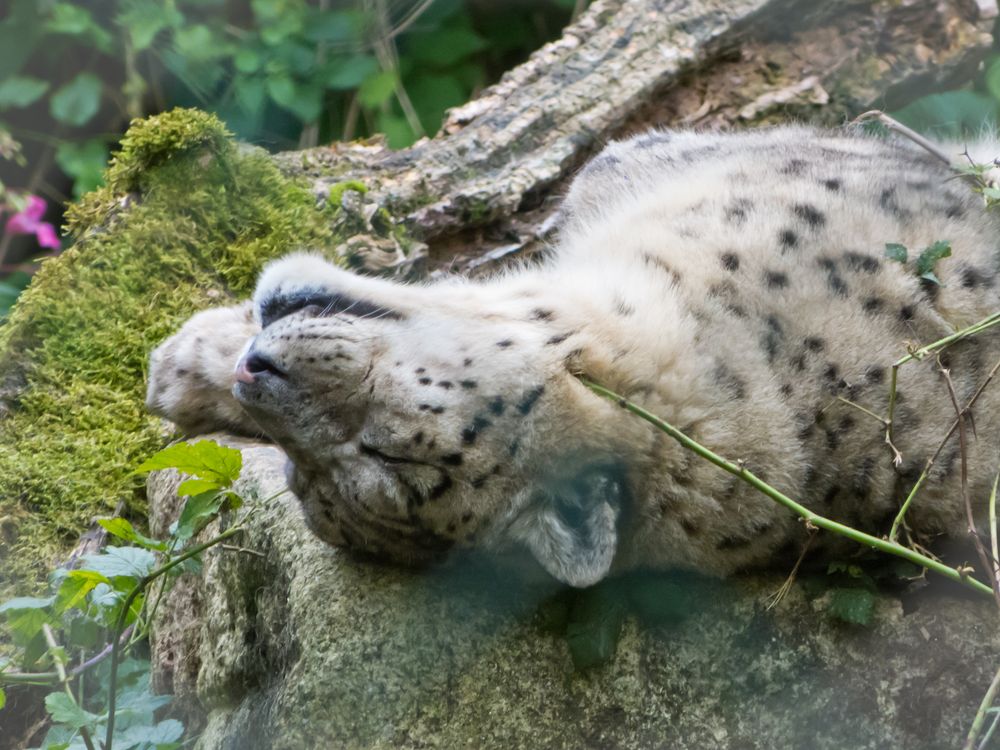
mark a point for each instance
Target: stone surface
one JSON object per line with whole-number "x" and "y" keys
{"x": 306, "y": 647}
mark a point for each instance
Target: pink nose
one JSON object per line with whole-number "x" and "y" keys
{"x": 243, "y": 374}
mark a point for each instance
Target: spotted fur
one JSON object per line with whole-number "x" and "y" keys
{"x": 734, "y": 284}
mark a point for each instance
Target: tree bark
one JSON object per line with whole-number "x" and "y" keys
{"x": 486, "y": 187}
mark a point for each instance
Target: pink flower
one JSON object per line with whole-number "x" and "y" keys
{"x": 28, "y": 221}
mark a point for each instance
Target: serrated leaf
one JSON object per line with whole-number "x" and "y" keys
{"x": 895, "y": 251}
{"x": 131, "y": 562}
{"x": 205, "y": 459}
{"x": 197, "y": 513}
{"x": 74, "y": 589}
{"x": 64, "y": 710}
{"x": 20, "y": 91}
{"x": 78, "y": 101}
{"x": 852, "y": 605}
{"x": 122, "y": 529}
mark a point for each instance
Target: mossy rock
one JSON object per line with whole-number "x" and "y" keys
{"x": 185, "y": 220}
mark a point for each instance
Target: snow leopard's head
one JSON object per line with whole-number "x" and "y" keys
{"x": 418, "y": 419}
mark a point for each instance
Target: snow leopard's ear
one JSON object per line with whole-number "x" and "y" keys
{"x": 570, "y": 525}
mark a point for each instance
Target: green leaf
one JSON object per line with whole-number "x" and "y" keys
{"x": 75, "y": 587}
{"x": 304, "y": 101}
{"x": 20, "y": 91}
{"x": 432, "y": 95}
{"x": 377, "y": 89}
{"x": 852, "y": 605}
{"x": 122, "y": 529}
{"x": 396, "y": 129}
{"x": 64, "y": 710}
{"x": 349, "y": 72}
{"x": 84, "y": 162}
{"x": 595, "y": 624}
{"x": 78, "y": 101}
{"x": 951, "y": 115}
{"x": 929, "y": 257}
{"x": 144, "y": 19}
{"x": 165, "y": 732}
{"x": 247, "y": 60}
{"x": 335, "y": 26}
{"x": 205, "y": 459}
{"x": 198, "y": 512}
{"x": 895, "y": 251}
{"x": 3, "y": 698}
{"x": 73, "y": 20}
{"x": 443, "y": 47}
{"x": 198, "y": 43}
{"x": 23, "y": 603}
{"x": 131, "y": 562}
{"x": 10, "y": 290}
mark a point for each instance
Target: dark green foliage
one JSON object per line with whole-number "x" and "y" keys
{"x": 93, "y": 602}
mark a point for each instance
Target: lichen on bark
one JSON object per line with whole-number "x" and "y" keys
{"x": 186, "y": 218}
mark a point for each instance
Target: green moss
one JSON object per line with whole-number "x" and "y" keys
{"x": 337, "y": 191}
{"x": 185, "y": 214}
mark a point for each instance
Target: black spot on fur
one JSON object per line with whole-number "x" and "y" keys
{"x": 776, "y": 279}
{"x": 730, "y": 261}
{"x": 540, "y": 314}
{"x": 814, "y": 344}
{"x": 660, "y": 264}
{"x": 973, "y": 278}
{"x": 831, "y": 372}
{"x": 466, "y": 362}
{"x": 418, "y": 438}
{"x": 558, "y": 339}
{"x": 907, "y": 313}
{"x": 530, "y": 399}
{"x": 794, "y": 167}
{"x": 786, "y": 390}
{"x": 468, "y": 384}
{"x": 729, "y": 381}
{"x": 872, "y": 305}
{"x": 505, "y": 343}
{"x": 772, "y": 337}
{"x": 437, "y": 410}
{"x": 788, "y": 239}
{"x": 441, "y": 487}
{"x": 810, "y": 215}
{"x": 470, "y": 433}
{"x": 690, "y": 527}
{"x": 737, "y": 212}
{"x": 954, "y": 211}
{"x": 496, "y": 405}
{"x": 733, "y": 543}
{"x": 424, "y": 381}
{"x": 875, "y": 375}
{"x": 452, "y": 459}
{"x": 624, "y": 309}
{"x": 420, "y": 370}
{"x": 862, "y": 263}
{"x": 446, "y": 384}
{"x": 833, "y": 185}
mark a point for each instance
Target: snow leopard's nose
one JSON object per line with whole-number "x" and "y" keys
{"x": 254, "y": 365}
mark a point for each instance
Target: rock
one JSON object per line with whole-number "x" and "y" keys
{"x": 296, "y": 644}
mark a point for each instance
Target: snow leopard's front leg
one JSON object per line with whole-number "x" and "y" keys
{"x": 191, "y": 374}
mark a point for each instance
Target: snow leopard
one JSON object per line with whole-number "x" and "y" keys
{"x": 737, "y": 285}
